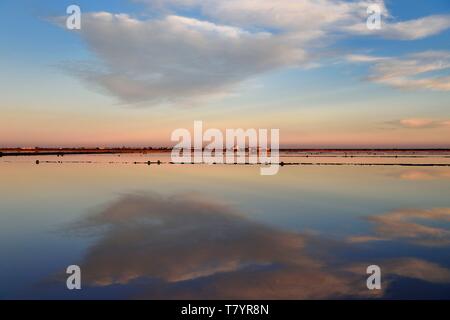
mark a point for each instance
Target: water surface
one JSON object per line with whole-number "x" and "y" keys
{"x": 199, "y": 231}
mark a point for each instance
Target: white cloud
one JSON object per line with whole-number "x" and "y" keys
{"x": 363, "y": 58}
{"x": 422, "y": 123}
{"x": 305, "y": 15}
{"x": 176, "y": 59}
{"x": 423, "y": 70}
{"x": 418, "y": 28}
{"x": 284, "y": 15}
{"x": 405, "y": 30}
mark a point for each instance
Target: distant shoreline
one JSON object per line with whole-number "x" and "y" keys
{"x": 307, "y": 151}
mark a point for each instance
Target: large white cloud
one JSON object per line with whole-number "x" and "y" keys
{"x": 177, "y": 58}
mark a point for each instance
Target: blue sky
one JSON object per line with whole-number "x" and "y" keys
{"x": 143, "y": 68}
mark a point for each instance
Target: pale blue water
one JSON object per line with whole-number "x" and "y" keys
{"x": 201, "y": 231}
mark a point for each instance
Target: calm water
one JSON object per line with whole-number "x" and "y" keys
{"x": 167, "y": 231}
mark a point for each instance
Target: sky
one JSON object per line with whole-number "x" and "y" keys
{"x": 139, "y": 69}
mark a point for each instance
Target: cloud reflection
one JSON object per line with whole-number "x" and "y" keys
{"x": 423, "y": 175}
{"x": 186, "y": 246}
{"x": 206, "y": 245}
{"x": 410, "y": 268}
{"x": 414, "y": 225}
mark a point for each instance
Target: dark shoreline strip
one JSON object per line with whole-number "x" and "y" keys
{"x": 20, "y": 154}
{"x": 281, "y": 164}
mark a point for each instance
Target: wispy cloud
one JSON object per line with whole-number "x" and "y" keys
{"x": 418, "y": 123}
{"x": 424, "y": 70}
{"x": 363, "y": 58}
{"x": 406, "y": 30}
{"x": 302, "y": 16}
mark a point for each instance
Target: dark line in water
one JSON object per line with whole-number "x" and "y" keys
{"x": 281, "y": 164}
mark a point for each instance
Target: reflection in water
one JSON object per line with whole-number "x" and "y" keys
{"x": 410, "y": 225}
{"x": 186, "y": 246}
{"x": 419, "y": 175}
{"x": 412, "y": 268}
